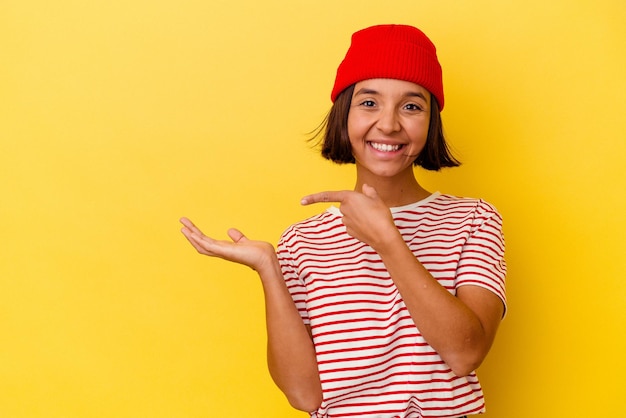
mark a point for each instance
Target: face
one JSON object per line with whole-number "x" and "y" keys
{"x": 388, "y": 125}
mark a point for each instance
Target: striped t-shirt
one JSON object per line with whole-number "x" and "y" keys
{"x": 372, "y": 359}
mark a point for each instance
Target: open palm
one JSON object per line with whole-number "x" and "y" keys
{"x": 254, "y": 254}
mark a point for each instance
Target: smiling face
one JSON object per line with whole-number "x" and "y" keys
{"x": 388, "y": 126}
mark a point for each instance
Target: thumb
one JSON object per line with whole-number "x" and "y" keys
{"x": 236, "y": 235}
{"x": 369, "y": 191}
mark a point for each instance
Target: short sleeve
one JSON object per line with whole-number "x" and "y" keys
{"x": 289, "y": 268}
{"x": 482, "y": 260}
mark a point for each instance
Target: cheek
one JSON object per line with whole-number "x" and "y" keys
{"x": 353, "y": 131}
{"x": 350, "y": 126}
{"x": 420, "y": 131}
{"x": 357, "y": 128}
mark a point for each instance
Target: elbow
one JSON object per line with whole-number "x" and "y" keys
{"x": 307, "y": 402}
{"x": 463, "y": 370}
{"x": 465, "y": 363}
{"x": 303, "y": 391}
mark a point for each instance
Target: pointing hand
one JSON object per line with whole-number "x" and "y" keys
{"x": 365, "y": 215}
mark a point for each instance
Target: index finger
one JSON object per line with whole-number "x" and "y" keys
{"x": 329, "y": 196}
{"x": 189, "y": 226}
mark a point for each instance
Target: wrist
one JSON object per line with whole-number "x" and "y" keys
{"x": 269, "y": 268}
{"x": 389, "y": 242}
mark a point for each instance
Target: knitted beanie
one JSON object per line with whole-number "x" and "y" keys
{"x": 400, "y": 52}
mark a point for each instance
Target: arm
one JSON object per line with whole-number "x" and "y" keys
{"x": 290, "y": 353}
{"x": 460, "y": 328}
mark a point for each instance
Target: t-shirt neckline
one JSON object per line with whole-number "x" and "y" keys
{"x": 335, "y": 210}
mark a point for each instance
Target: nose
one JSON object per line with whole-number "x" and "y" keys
{"x": 388, "y": 121}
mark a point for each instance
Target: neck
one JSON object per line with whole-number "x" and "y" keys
{"x": 394, "y": 191}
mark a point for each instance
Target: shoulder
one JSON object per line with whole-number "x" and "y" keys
{"x": 473, "y": 213}
{"x": 476, "y": 206}
{"x": 318, "y": 224}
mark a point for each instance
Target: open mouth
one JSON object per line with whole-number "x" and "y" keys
{"x": 385, "y": 147}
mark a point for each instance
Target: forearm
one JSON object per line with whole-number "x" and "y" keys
{"x": 445, "y": 322}
{"x": 290, "y": 352}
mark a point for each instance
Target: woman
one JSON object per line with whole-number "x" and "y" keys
{"x": 385, "y": 305}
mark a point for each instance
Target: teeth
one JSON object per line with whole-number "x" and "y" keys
{"x": 385, "y": 147}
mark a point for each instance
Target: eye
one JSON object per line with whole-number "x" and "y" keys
{"x": 413, "y": 107}
{"x": 368, "y": 103}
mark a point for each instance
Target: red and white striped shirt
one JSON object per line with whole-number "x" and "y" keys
{"x": 372, "y": 359}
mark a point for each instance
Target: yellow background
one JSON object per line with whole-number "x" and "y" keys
{"x": 118, "y": 117}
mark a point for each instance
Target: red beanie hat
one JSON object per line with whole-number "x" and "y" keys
{"x": 391, "y": 51}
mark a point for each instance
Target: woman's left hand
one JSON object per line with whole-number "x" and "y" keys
{"x": 365, "y": 215}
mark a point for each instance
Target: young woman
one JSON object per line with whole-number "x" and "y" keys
{"x": 386, "y": 303}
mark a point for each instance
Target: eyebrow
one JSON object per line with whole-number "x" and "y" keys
{"x": 375, "y": 92}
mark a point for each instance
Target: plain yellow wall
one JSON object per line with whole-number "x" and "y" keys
{"x": 118, "y": 117}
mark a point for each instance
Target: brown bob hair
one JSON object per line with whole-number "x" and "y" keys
{"x": 335, "y": 143}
